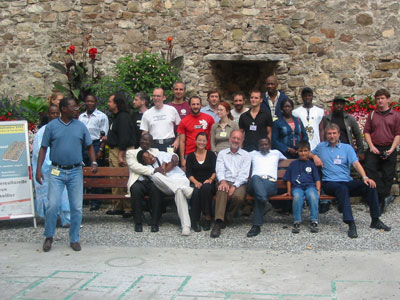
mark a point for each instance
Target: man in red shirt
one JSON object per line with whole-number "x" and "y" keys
{"x": 190, "y": 126}
{"x": 382, "y": 133}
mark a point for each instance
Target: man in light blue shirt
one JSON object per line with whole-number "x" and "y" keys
{"x": 335, "y": 159}
{"x": 232, "y": 169}
{"x": 213, "y": 98}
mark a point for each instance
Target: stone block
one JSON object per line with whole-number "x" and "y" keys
{"x": 282, "y": 31}
{"x": 34, "y": 9}
{"x": 345, "y": 37}
{"x": 315, "y": 40}
{"x": 115, "y": 6}
{"x": 328, "y": 32}
{"x": 61, "y": 6}
{"x": 126, "y": 24}
{"x": 248, "y": 3}
{"x": 91, "y": 2}
{"x": 250, "y": 11}
{"x": 127, "y": 15}
{"x": 388, "y": 66}
{"x": 225, "y": 3}
{"x": 37, "y": 75}
{"x": 348, "y": 82}
{"x": 296, "y": 82}
{"x": 133, "y": 6}
{"x": 179, "y": 4}
{"x": 237, "y": 34}
{"x": 48, "y": 17}
{"x": 133, "y": 36}
{"x": 364, "y": 19}
{"x": 388, "y": 33}
{"x": 8, "y": 36}
{"x": 380, "y": 74}
{"x": 236, "y": 3}
{"x": 261, "y": 33}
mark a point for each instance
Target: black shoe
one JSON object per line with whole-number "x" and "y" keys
{"x": 324, "y": 207}
{"x": 314, "y": 227}
{"x": 47, "y": 244}
{"x": 296, "y": 228}
{"x": 352, "y": 233}
{"x": 127, "y": 214}
{"x": 75, "y": 246}
{"x": 196, "y": 226}
{"x": 94, "y": 207}
{"x": 154, "y": 228}
{"x": 378, "y": 224}
{"x": 216, "y": 231}
{"x": 386, "y": 202}
{"x": 254, "y": 231}
{"x": 207, "y": 225}
{"x": 138, "y": 227}
{"x": 112, "y": 212}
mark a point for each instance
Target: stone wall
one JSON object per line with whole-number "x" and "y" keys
{"x": 333, "y": 46}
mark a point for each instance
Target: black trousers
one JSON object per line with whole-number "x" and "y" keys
{"x": 138, "y": 190}
{"x": 201, "y": 200}
{"x": 382, "y": 171}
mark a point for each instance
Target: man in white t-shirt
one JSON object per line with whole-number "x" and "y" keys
{"x": 238, "y": 102}
{"x": 311, "y": 117}
{"x": 160, "y": 122}
{"x": 262, "y": 184}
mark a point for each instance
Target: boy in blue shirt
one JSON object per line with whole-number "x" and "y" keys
{"x": 302, "y": 181}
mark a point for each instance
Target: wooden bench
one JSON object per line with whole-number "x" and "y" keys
{"x": 116, "y": 177}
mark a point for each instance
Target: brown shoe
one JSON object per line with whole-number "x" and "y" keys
{"x": 47, "y": 244}
{"x": 216, "y": 231}
{"x": 75, "y": 246}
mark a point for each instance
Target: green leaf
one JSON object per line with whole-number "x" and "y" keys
{"x": 59, "y": 87}
{"x": 76, "y": 93}
{"x": 59, "y": 67}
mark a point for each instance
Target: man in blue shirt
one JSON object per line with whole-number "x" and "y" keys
{"x": 335, "y": 159}
{"x": 65, "y": 136}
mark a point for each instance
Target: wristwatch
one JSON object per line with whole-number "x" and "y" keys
{"x": 365, "y": 177}
{"x": 94, "y": 163}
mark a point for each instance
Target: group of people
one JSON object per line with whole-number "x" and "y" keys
{"x": 195, "y": 153}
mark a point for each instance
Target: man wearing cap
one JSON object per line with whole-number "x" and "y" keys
{"x": 273, "y": 98}
{"x": 311, "y": 116}
{"x": 349, "y": 128}
{"x": 382, "y": 133}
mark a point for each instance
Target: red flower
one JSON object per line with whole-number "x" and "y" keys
{"x": 9, "y": 114}
{"x": 169, "y": 39}
{"x": 92, "y": 53}
{"x": 71, "y": 49}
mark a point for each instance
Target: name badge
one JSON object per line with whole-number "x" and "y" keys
{"x": 170, "y": 149}
{"x": 337, "y": 161}
{"x": 197, "y": 126}
{"x": 274, "y": 119}
{"x": 223, "y": 134}
{"x": 253, "y": 127}
{"x": 55, "y": 172}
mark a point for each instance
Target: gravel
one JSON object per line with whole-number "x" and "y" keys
{"x": 101, "y": 229}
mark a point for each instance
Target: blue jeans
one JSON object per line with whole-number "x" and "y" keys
{"x": 261, "y": 189}
{"x": 344, "y": 190}
{"x": 312, "y": 196}
{"x": 73, "y": 180}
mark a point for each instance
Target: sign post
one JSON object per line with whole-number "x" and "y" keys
{"x": 16, "y": 195}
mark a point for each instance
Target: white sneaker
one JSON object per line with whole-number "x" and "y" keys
{"x": 187, "y": 191}
{"x": 186, "y": 231}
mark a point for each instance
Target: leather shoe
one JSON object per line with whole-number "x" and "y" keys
{"x": 75, "y": 246}
{"x": 138, "y": 227}
{"x": 207, "y": 225}
{"x": 113, "y": 212}
{"x": 216, "y": 231}
{"x": 378, "y": 224}
{"x": 127, "y": 214}
{"x": 196, "y": 226}
{"x": 324, "y": 207}
{"x": 254, "y": 231}
{"x": 47, "y": 244}
{"x": 352, "y": 233}
{"x": 386, "y": 202}
{"x": 154, "y": 228}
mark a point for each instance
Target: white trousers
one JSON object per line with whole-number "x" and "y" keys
{"x": 173, "y": 186}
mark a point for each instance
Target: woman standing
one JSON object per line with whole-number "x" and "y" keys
{"x": 287, "y": 131}
{"x": 221, "y": 131}
{"x": 200, "y": 169}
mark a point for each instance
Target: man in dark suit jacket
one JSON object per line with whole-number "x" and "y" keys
{"x": 273, "y": 98}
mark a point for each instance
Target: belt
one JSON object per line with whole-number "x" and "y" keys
{"x": 96, "y": 141}
{"x": 163, "y": 141}
{"x": 66, "y": 167}
{"x": 270, "y": 178}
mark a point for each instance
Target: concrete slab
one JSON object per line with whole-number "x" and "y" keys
{"x": 184, "y": 274}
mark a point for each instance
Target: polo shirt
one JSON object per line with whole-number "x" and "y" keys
{"x": 207, "y": 110}
{"x": 302, "y": 174}
{"x": 254, "y": 129}
{"x": 191, "y": 125}
{"x": 336, "y": 160}
{"x": 66, "y": 141}
{"x": 383, "y": 127}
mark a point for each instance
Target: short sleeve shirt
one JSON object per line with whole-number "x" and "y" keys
{"x": 183, "y": 109}
{"x": 191, "y": 126}
{"x": 66, "y": 141}
{"x": 160, "y": 123}
{"x": 302, "y": 174}
{"x": 254, "y": 129}
{"x": 266, "y": 165}
{"x": 336, "y": 160}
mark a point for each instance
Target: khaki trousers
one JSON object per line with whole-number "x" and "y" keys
{"x": 221, "y": 200}
{"x": 118, "y": 204}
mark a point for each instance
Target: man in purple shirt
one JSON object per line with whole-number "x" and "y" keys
{"x": 179, "y": 102}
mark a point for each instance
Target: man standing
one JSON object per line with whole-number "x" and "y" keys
{"x": 262, "y": 185}
{"x": 160, "y": 122}
{"x": 255, "y": 123}
{"x": 272, "y": 98}
{"x": 97, "y": 124}
{"x": 238, "y": 102}
{"x": 120, "y": 138}
{"x": 140, "y": 103}
{"x": 311, "y": 117}
{"x": 232, "y": 168}
{"x": 213, "y": 98}
{"x": 349, "y": 128}
{"x": 140, "y": 184}
{"x": 382, "y": 133}
{"x": 190, "y": 126}
{"x": 181, "y": 106}
{"x": 335, "y": 159}
{"x": 65, "y": 136}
